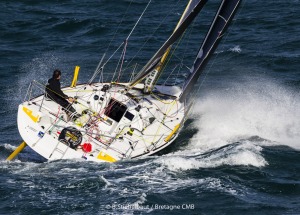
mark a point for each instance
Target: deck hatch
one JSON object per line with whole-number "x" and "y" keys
{"x": 115, "y": 110}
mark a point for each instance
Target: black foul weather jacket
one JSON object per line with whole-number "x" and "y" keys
{"x": 53, "y": 90}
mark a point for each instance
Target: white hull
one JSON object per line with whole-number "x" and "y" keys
{"x": 141, "y": 126}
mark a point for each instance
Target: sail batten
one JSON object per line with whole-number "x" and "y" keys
{"x": 191, "y": 13}
{"x": 224, "y": 15}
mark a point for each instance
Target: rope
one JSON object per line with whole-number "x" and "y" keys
{"x": 122, "y": 61}
{"x": 163, "y": 121}
{"x": 126, "y": 43}
{"x": 113, "y": 54}
{"x": 139, "y": 19}
{"x": 118, "y": 26}
{"x": 169, "y": 58}
{"x": 150, "y": 36}
{"x": 57, "y": 114}
{"x": 172, "y": 53}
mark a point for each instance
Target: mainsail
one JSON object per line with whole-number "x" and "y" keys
{"x": 219, "y": 25}
{"x": 151, "y": 78}
{"x": 191, "y": 13}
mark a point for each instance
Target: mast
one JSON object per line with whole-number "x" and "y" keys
{"x": 219, "y": 25}
{"x": 153, "y": 76}
{"x": 154, "y": 61}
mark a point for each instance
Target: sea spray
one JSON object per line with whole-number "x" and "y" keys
{"x": 251, "y": 108}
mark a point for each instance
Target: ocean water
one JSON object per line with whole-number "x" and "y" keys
{"x": 239, "y": 150}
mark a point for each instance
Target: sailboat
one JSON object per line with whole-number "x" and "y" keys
{"x": 119, "y": 121}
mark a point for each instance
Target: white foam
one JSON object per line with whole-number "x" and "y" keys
{"x": 216, "y": 184}
{"x": 243, "y": 154}
{"x": 141, "y": 200}
{"x": 236, "y": 49}
{"x": 233, "y": 125}
{"x": 107, "y": 183}
{"x": 251, "y": 108}
{"x": 67, "y": 170}
{"x": 25, "y": 167}
{"x": 10, "y": 147}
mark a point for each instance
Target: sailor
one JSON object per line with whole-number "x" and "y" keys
{"x": 54, "y": 92}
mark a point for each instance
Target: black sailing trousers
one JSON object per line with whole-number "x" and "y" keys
{"x": 65, "y": 104}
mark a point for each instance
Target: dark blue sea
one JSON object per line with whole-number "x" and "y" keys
{"x": 239, "y": 150}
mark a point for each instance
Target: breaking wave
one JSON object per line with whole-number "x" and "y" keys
{"x": 234, "y": 125}
{"x": 248, "y": 109}
{"x": 232, "y": 155}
